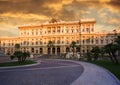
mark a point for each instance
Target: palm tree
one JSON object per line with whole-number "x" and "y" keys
{"x": 17, "y": 47}
{"x": 95, "y": 51}
{"x": 73, "y": 45}
{"x": 117, "y": 40}
{"x": 25, "y": 55}
{"x": 111, "y": 49}
{"x": 50, "y": 45}
{"x": 21, "y": 56}
{"x": 18, "y": 54}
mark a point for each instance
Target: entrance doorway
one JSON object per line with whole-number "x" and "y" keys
{"x": 53, "y": 50}
{"x": 41, "y": 50}
{"x": 32, "y": 50}
{"x": 58, "y": 50}
{"x": 49, "y": 50}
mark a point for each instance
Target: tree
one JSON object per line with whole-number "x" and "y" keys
{"x": 88, "y": 55}
{"x": 18, "y": 55}
{"x": 17, "y": 47}
{"x": 21, "y": 56}
{"x": 102, "y": 51}
{"x": 50, "y": 45}
{"x": 111, "y": 49}
{"x": 96, "y": 52}
{"x": 25, "y": 55}
{"x": 117, "y": 41}
{"x": 73, "y": 45}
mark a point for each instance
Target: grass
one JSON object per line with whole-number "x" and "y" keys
{"x": 27, "y": 62}
{"x": 114, "y": 68}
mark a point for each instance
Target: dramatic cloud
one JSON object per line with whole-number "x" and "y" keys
{"x": 14, "y": 13}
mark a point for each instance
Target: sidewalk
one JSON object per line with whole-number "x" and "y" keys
{"x": 95, "y": 75}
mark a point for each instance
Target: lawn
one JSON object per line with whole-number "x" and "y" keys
{"x": 114, "y": 68}
{"x": 27, "y": 62}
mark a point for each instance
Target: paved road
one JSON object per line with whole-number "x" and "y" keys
{"x": 49, "y": 72}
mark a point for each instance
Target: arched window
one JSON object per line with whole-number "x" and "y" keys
{"x": 87, "y": 30}
{"x": 32, "y": 50}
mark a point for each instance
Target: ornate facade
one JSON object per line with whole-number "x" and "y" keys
{"x": 35, "y": 38}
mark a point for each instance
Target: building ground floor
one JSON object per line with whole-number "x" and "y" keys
{"x": 56, "y": 50}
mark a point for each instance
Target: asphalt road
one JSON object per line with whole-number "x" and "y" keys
{"x": 49, "y": 72}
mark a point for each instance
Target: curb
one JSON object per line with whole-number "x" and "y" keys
{"x": 38, "y": 62}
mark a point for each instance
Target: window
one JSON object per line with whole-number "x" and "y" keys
{"x": 92, "y": 41}
{"x": 53, "y": 41}
{"x": 67, "y": 30}
{"x": 92, "y": 29}
{"x": 28, "y": 33}
{"x": 83, "y": 41}
{"x": 72, "y": 31}
{"x": 27, "y": 43}
{"x": 58, "y": 30}
{"x": 36, "y": 43}
{"x": 45, "y": 32}
{"x": 62, "y": 31}
{"x": 87, "y": 30}
{"x": 77, "y": 30}
{"x": 88, "y": 40}
{"x": 40, "y": 42}
{"x": 36, "y": 33}
{"x": 32, "y": 33}
{"x": 77, "y": 41}
{"x": 32, "y": 43}
{"x": 96, "y": 41}
{"x": 58, "y": 41}
{"x": 101, "y": 41}
{"x": 53, "y": 31}
{"x": 48, "y": 31}
{"x": 44, "y": 42}
{"x": 83, "y": 30}
{"x": 36, "y": 51}
{"x": 83, "y": 36}
{"x": 24, "y": 43}
{"x": 67, "y": 42}
{"x": 83, "y": 51}
{"x": 32, "y": 50}
{"x": 12, "y": 44}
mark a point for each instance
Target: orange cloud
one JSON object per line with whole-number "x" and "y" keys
{"x": 104, "y": 1}
{"x": 25, "y": 16}
{"x": 67, "y": 1}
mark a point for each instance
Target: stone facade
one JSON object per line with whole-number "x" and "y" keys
{"x": 35, "y": 38}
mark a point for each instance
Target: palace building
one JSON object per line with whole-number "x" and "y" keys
{"x": 34, "y": 39}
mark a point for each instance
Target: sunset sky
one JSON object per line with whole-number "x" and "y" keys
{"x": 14, "y": 13}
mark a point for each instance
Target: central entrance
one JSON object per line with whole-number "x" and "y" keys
{"x": 48, "y": 50}
{"x": 58, "y": 50}
{"x": 53, "y": 50}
